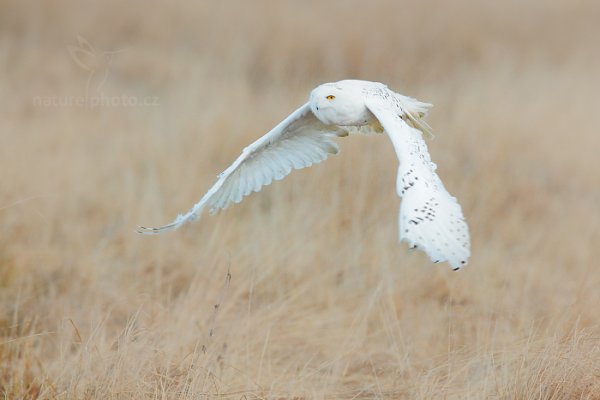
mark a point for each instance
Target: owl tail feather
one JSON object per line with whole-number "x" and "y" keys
{"x": 420, "y": 124}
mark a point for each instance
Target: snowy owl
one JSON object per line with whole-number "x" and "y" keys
{"x": 430, "y": 218}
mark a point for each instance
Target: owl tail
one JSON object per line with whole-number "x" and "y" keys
{"x": 419, "y": 123}
{"x": 415, "y": 111}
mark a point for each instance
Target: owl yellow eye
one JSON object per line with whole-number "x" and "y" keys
{"x": 330, "y": 97}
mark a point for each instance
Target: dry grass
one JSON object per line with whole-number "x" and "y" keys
{"x": 322, "y": 301}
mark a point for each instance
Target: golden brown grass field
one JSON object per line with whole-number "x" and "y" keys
{"x": 322, "y": 301}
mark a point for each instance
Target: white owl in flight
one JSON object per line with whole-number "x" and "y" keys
{"x": 430, "y": 218}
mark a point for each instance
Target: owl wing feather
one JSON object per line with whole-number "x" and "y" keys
{"x": 299, "y": 141}
{"x": 430, "y": 218}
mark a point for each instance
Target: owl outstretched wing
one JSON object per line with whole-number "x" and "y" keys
{"x": 299, "y": 141}
{"x": 430, "y": 218}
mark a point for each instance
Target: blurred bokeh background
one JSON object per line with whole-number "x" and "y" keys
{"x": 114, "y": 114}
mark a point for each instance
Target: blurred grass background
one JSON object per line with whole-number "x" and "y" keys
{"x": 322, "y": 301}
